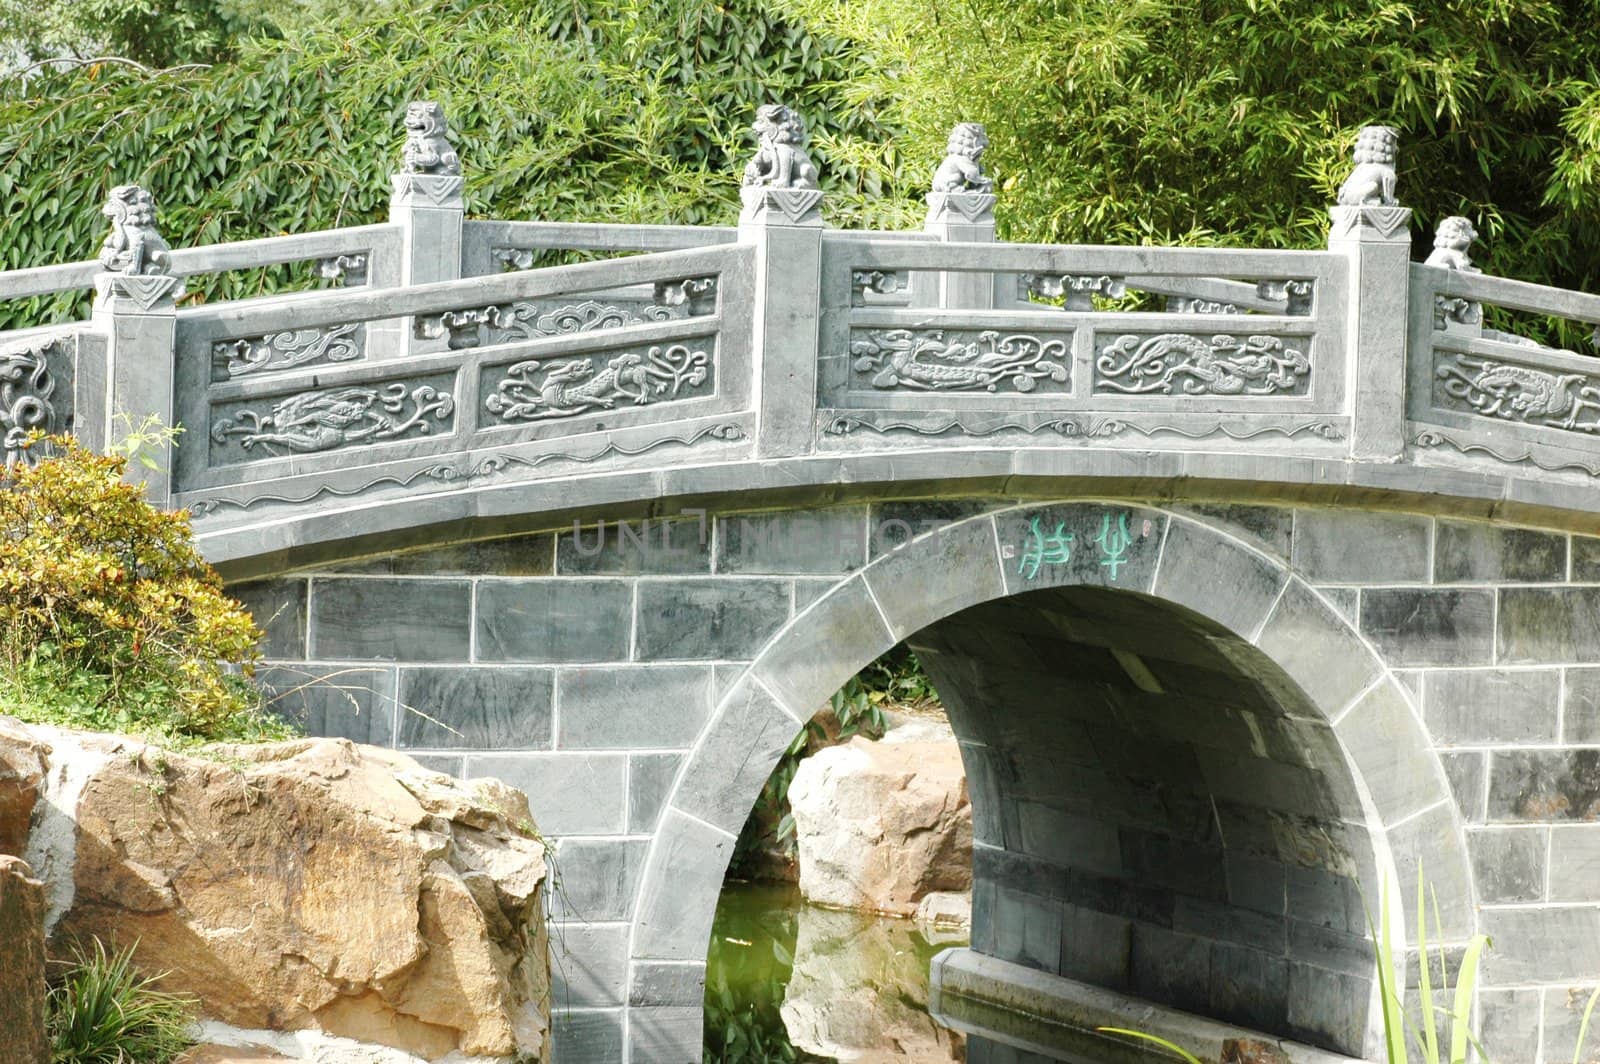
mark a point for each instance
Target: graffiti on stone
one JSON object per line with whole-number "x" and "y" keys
{"x": 1044, "y": 548}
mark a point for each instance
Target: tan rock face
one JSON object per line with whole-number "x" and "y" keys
{"x": 321, "y": 885}
{"x": 22, "y": 769}
{"x": 881, "y": 825}
{"x": 22, "y": 977}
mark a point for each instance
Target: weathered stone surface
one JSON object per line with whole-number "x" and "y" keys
{"x": 384, "y": 903}
{"x": 554, "y": 620}
{"x": 217, "y": 1054}
{"x": 1343, "y": 547}
{"x": 279, "y": 609}
{"x": 22, "y": 771}
{"x": 1544, "y": 785}
{"x": 22, "y": 965}
{"x": 1508, "y": 863}
{"x": 1471, "y": 552}
{"x": 472, "y": 709}
{"x": 412, "y": 620}
{"x": 1429, "y": 626}
{"x": 708, "y": 619}
{"x": 881, "y": 825}
{"x": 354, "y": 702}
{"x": 1558, "y": 624}
{"x": 1482, "y": 707}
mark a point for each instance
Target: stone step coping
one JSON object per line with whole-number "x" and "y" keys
{"x": 1024, "y": 1007}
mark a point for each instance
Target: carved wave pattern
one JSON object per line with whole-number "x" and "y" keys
{"x": 27, "y": 388}
{"x": 1435, "y": 438}
{"x": 452, "y": 474}
{"x": 1185, "y": 364}
{"x": 287, "y": 350}
{"x": 536, "y": 390}
{"x": 1072, "y": 427}
{"x": 1482, "y": 386}
{"x": 934, "y": 360}
{"x": 336, "y": 419}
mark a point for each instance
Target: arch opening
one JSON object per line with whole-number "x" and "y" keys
{"x": 1178, "y": 777}
{"x": 1158, "y": 810}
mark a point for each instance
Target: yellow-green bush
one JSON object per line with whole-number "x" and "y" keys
{"x": 109, "y": 616}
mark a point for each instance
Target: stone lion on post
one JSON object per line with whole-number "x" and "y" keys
{"x": 780, "y": 160}
{"x": 1372, "y": 182}
{"x": 428, "y": 149}
{"x": 134, "y": 245}
{"x": 962, "y": 169}
{"x": 1451, "y": 242}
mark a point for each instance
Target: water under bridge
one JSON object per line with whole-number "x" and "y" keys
{"x": 1252, "y": 580}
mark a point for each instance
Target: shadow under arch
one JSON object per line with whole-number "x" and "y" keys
{"x": 1189, "y": 774}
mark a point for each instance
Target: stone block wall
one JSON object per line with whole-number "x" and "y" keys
{"x": 1413, "y": 686}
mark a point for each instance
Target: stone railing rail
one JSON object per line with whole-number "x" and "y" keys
{"x": 378, "y": 245}
{"x": 454, "y": 355}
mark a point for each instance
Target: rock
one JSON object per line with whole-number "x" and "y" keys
{"x": 22, "y": 769}
{"x": 859, "y": 992}
{"x": 215, "y": 1054}
{"x": 945, "y": 917}
{"x": 1252, "y": 1051}
{"x": 310, "y": 886}
{"x": 880, "y": 826}
{"x": 22, "y": 979}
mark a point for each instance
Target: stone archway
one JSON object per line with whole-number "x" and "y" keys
{"x": 1346, "y": 756}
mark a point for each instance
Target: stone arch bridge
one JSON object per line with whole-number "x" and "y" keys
{"x": 1253, "y": 580}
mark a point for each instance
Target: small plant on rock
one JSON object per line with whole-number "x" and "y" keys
{"x": 102, "y": 1011}
{"x": 109, "y": 617}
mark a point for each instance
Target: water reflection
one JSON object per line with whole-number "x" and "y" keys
{"x": 790, "y": 982}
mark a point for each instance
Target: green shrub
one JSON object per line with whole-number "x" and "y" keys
{"x": 102, "y": 1011}
{"x": 109, "y": 616}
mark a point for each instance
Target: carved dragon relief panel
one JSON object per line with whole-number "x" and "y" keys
{"x": 1509, "y": 392}
{"x": 1185, "y": 364}
{"x": 287, "y": 350}
{"x": 563, "y": 386}
{"x": 330, "y": 419}
{"x": 950, "y": 360}
{"x": 27, "y": 395}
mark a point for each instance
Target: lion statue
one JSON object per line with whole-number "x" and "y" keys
{"x": 1371, "y": 183}
{"x": 780, "y": 160}
{"x": 1450, "y": 243}
{"x": 962, "y": 169}
{"x": 428, "y": 149}
{"x": 134, "y": 246}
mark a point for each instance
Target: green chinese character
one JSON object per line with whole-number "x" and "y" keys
{"x": 1114, "y": 543}
{"x": 1044, "y": 549}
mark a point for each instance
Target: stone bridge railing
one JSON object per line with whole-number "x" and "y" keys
{"x": 448, "y": 355}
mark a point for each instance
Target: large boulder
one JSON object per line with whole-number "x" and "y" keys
{"x": 313, "y": 886}
{"x": 22, "y": 986}
{"x": 881, "y": 825}
{"x": 22, "y": 769}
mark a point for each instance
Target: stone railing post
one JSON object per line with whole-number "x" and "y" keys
{"x": 135, "y": 312}
{"x": 782, "y": 219}
{"x": 1373, "y": 231}
{"x": 961, "y": 209}
{"x": 428, "y": 206}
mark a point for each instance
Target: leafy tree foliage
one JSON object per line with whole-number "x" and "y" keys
{"x": 158, "y": 33}
{"x": 635, "y": 110}
{"x": 1230, "y": 121}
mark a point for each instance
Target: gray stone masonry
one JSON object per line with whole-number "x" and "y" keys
{"x": 1193, "y": 734}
